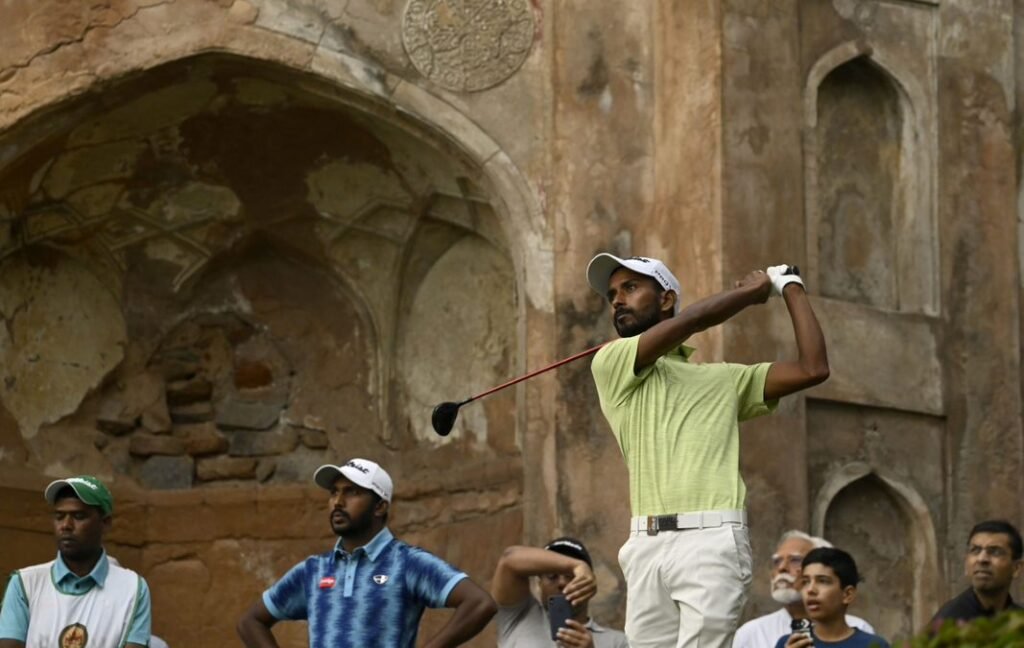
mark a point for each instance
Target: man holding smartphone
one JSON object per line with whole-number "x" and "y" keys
{"x": 566, "y": 584}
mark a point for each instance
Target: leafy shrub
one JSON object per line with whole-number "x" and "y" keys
{"x": 1003, "y": 631}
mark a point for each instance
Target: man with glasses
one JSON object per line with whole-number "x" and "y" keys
{"x": 764, "y": 631}
{"x": 993, "y": 561}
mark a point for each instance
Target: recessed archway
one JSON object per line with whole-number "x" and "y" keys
{"x": 897, "y": 530}
{"x": 266, "y": 236}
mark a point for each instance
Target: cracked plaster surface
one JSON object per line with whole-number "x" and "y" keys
{"x": 63, "y": 334}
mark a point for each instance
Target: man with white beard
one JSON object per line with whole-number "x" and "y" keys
{"x": 764, "y": 631}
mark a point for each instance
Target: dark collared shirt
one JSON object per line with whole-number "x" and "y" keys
{"x": 966, "y": 607}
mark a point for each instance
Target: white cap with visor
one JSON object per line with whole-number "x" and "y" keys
{"x": 361, "y": 472}
{"x": 603, "y": 265}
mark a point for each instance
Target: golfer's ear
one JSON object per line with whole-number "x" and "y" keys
{"x": 668, "y": 301}
{"x": 382, "y": 508}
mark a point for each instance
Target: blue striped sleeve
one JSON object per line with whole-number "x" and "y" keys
{"x": 286, "y": 599}
{"x": 429, "y": 578}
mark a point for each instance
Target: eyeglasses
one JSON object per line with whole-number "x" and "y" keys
{"x": 792, "y": 561}
{"x": 992, "y": 551}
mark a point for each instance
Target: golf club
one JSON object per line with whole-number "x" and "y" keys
{"x": 443, "y": 417}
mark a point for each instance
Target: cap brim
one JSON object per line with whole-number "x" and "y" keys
{"x": 84, "y": 495}
{"x": 55, "y": 487}
{"x": 600, "y": 270}
{"x": 326, "y": 476}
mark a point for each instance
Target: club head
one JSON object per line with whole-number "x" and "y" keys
{"x": 443, "y": 417}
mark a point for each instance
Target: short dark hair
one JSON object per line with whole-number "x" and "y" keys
{"x": 1000, "y": 526}
{"x": 66, "y": 493}
{"x": 837, "y": 560}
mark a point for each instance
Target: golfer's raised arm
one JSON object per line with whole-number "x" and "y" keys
{"x": 474, "y": 608}
{"x": 811, "y": 365}
{"x": 668, "y": 334}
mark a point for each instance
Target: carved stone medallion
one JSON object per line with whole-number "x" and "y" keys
{"x": 467, "y": 45}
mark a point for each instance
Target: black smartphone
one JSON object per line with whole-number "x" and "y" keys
{"x": 559, "y": 611}
{"x": 801, "y": 626}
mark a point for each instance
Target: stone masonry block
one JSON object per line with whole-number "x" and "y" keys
{"x": 296, "y": 510}
{"x": 144, "y": 444}
{"x": 184, "y": 392}
{"x": 265, "y": 469}
{"x": 259, "y": 444}
{"x": 192, "y": 413}
{"x": 167, "y": 473}
{"x": 235, "y": 414}
{"x": 315, "y": 439}
{"x": 202, "y": 439}
{"x": 225, "y": 468}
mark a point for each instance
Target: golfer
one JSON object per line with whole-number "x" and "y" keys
{"x": 687, "y": 561}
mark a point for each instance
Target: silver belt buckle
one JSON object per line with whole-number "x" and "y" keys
{"x": 652, "y": 525}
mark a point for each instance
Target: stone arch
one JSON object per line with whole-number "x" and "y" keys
{"x": 904, "y": 161}
{"x": 848, "y": 490}
{"x": 513, "y": 219}
{"x": 353, "y": 82}
{"x": 439, "y": 508}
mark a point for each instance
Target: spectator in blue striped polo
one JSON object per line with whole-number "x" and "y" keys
{"x": 370, "y": 589}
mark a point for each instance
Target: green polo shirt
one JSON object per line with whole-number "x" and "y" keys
{"x": 677, "y": 424}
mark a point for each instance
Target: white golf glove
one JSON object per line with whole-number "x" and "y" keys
{"x": 781, "y": 276}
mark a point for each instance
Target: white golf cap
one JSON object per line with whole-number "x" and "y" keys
{"x": 361, "y": 472}
{"x": 603, "y": 265}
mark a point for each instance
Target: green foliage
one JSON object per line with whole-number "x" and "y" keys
{"x": 1003, "y": 631}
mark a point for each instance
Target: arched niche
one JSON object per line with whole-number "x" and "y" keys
{"x": 210, "y": 168}
{"x": 887, "y": 526}
{"x": 458, "y": 308}
{"x": 444, "y": 503}
{"x": 869, "y": 166}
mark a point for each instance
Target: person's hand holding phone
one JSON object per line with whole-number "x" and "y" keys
{"x": 799, "y": 640}
{"x": 582, "y": 587}
{"x": 574, "y": 635}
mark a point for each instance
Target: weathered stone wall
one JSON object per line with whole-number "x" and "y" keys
{"x": 241, "y": 238}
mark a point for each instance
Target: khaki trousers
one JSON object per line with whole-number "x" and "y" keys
{"x": 686, "y": 588}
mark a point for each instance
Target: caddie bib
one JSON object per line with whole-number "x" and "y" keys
{"x": 100, "y": 618}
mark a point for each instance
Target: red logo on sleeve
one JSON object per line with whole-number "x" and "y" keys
{"x": 327, "y": 582}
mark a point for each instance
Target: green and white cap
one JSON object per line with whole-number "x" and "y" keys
{"x": 88, "y": 489}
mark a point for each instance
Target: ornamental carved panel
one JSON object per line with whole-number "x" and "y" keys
{"x": 467, "y": 45}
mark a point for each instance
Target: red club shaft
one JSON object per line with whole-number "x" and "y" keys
{"x": 581, "y": 354}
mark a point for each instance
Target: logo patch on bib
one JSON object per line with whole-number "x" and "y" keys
{"x": 380, "y": 579}
{"x": 75, "y": 635}
{"x": 327, "y": 582}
